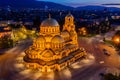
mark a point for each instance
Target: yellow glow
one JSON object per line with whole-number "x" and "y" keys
{"x": 22, "y": 33}
{"x": 51, "y": 75}
{"x": 25, "y": 72}
{"x": 52, "y": 45}
{"x": 7, "y": 28}
{"x": 67, "y": 73}
{"x": 37, "y": 75}
{"x": 117, "y": 40}
{"x": 47, "y": 45}
{"x": 82, "y": 31}
{"x": 76, "y": 65}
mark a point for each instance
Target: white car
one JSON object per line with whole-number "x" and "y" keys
{"x": 101, "y": 62}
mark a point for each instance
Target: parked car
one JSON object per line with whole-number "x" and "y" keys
{"x": 101, "y": 62}
{"x": 106, "y": 52}
{"x": 101, "y": 74}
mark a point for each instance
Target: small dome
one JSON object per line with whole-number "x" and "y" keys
{"x": 57, "y": 39}
{"x": 47, "y": 54}
{"x": 49, "y": 22}
{"x": 65, "y": 34}
{"x": 72, "y": 32}
{"x": 40, "y": 39}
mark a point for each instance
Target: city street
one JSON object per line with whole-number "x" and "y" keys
{"x": 8, "y": 71}
{"x": 59, "y": 40}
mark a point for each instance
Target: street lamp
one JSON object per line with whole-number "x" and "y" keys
{"x": 116, "y": 39}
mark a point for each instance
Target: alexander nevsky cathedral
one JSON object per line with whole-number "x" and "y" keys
{"x": 54, "y": 49}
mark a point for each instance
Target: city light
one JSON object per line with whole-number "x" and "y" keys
{"x": 116, "y": 39}
{"x": 83, "y": 31}
{"x": 42, "y": 40}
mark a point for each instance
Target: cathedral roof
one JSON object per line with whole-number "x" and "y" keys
{"x": 57, "y": 39}
{"x": 49, "y": 22}
{"x": 40, "y": 39}
{"x": 65, "y": 33}
{"x": 47, "y": 54}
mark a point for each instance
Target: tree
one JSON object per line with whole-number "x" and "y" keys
{"x": 6, "y": 42}
{"x": 110, "y": 76}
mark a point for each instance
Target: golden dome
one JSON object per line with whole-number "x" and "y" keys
{"x": 49, "y": 22}
{"x": 57, "y": 39}
{"x": 40, "y": 39}
{"x": 65, "y": 33}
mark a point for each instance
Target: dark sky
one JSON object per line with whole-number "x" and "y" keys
{"x": 76, "y": 3}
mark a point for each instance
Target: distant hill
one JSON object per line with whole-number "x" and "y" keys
{"x": 112, "y": 4}
{"x": 91, "y": 7}
{"x": 50, "y": 5}
{"x": 32, "y": 4}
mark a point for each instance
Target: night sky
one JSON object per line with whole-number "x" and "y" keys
{"x": 76, "y": 3}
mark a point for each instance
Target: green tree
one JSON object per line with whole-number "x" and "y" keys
{"x": 110, "y": 76}
{"x": 6, "y": 42}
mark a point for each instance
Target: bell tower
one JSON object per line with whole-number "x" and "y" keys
{"x": 70, "y": 27}
{"x": 69, "y": 23}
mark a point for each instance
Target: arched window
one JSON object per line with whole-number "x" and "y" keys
{"x": 69, "y": 19}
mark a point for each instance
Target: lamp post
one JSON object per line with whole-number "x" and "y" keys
{"x": 116, "y": 40}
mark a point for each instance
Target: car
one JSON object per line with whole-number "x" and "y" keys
{"x": 106, "y": 52}
{"x": 101, "y": 62}
{"x": 101, "y": 74}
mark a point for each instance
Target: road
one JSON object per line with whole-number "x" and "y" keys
{"x": 8, "y": 70}
{"x": 7, "y": 60}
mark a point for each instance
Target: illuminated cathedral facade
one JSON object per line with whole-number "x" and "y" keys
{"x": 54, "y": 49}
